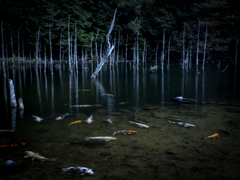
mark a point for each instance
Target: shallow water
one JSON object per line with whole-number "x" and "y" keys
{"x": 163, "y": 151}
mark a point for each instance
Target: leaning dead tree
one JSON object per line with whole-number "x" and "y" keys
{"x": 108, "y": 51}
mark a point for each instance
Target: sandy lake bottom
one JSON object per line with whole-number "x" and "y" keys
{"x": 163, "y": 151}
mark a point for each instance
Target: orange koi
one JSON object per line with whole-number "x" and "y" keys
{"x": 109, "y": 95}
{"x": 212, "y": 136}
{"x": 109, "y": 120}
{"x": 14, "y": 145}
{"x": 125, "y": 132}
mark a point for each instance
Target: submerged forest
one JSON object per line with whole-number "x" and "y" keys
{"x": 119, "y": 89}
{"x": 35, "y": 25}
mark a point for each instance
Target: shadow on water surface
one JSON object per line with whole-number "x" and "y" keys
{"x": 162, "y": 151}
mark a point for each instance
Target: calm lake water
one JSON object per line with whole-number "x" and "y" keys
{"x": 162, "y": 151}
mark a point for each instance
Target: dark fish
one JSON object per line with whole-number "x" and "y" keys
{"x": 225, "y": 131}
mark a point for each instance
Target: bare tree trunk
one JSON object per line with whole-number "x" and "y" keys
{"x": 83, "y": 63}
{"x": 12, "y": 94}
{"x": 7, "y": 54}
{"x": 38, "y": 45}
{"x": 169, "y": 45}
{"x": 183, "y": 53}
{"x": 190, "y": 56}
{"x": 162, "y": 55}
{"x": 30, "y": 56}
{"x": 146, "y": 55}
{"x": 23, "y": 50}
{"x": 137, "y": 52}
{"x": 144, "y": 48}
{"x": 18, "y": 48}
{"x": 60, "y": 47}
{"x": 156, "y": 54}
{"x": 50, "y": 43}
{"x": 12, "y": 49}
{"x": 236, "y": 53}
{"x": 91, "y": 52}
{"x": 126, "y": 47}
{"x": 3, "y": 59}
{"x": 69, "y": 53}
{"x": 75, "y": 48}
{"x": 36, "y": 55}
{"x": 204, "y": 52}
{"x": 198, "y": 45}
{"x": 45, "y": 59}
{"x": 96, "y": 46}
{"x": 118, "y": 46}
{"x": 101, "y": 52}
{"x": 109, "y": 49}
{"x": 134, "y": 53}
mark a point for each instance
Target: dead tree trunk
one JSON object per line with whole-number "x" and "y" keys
{"x": 169, "y": 45}
{"x": 204, "y": 51}
{"x": 18, "y": 48}
{"x": 163, "y": 44}
{"x": 12, "y": 49}
{"x": 126, "y": 47}
{"x": 183, "y": 53}
{"x": 96, "y": 46}
{"x": 12, "y": 94}
{"x": 236, "y": 53}
{"x": 198, "y": 45}
{"x": 118, "y": 46}
{"x": 144, "y": 46}
{"x": 50, "y": 43}
{"x": 69, "y": 53}
{"x": 60, "y": 47}
{"x": 156, "y": 54}
{"x": 3, "y": 59}
{"x": 108, "y": 51}
{"x": 23, "y": 50}
{"x": 20, "y": 103}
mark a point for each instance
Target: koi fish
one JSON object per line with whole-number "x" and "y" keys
{"x": 37, "y": 156}
{"x": 212, "y": 136}
{"x": 38, "y": 119}
{"x": 86, "y": 105}
{"x": 14, "y": 145}
{"x": 135, "y": 119}
{"x": 109, "y": 95}
{"x": 79, "y": 169}
{"x": 89, "y": 120}
{"x": 139, "y": 124}
{"x": 182, "y": 124}
{"x": 101, "y": 138}
{"x": 225, "y": 131}
{"x": 61, "y": 117}
{"x": 109, "y": 120}
{"x": 204, "y": 116}
{"x": 79, "y": 121}
{"x": 125, "y": 132}
{"x": 10, "y": 163}
{"x": 6, "y": 130}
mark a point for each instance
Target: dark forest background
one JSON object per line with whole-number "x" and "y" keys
{"x": 147, "y": 17}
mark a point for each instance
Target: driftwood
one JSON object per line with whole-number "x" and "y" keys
{"x": 108, "y": 51}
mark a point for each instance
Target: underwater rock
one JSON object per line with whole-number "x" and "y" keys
{"x": 101, "y": 112}
{"x": 150, "y": 107}
{"x": 116, "y": 113}
{"x": 236, "y": 122}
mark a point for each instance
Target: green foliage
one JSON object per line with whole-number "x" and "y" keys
{"x": 147, "y": 18}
